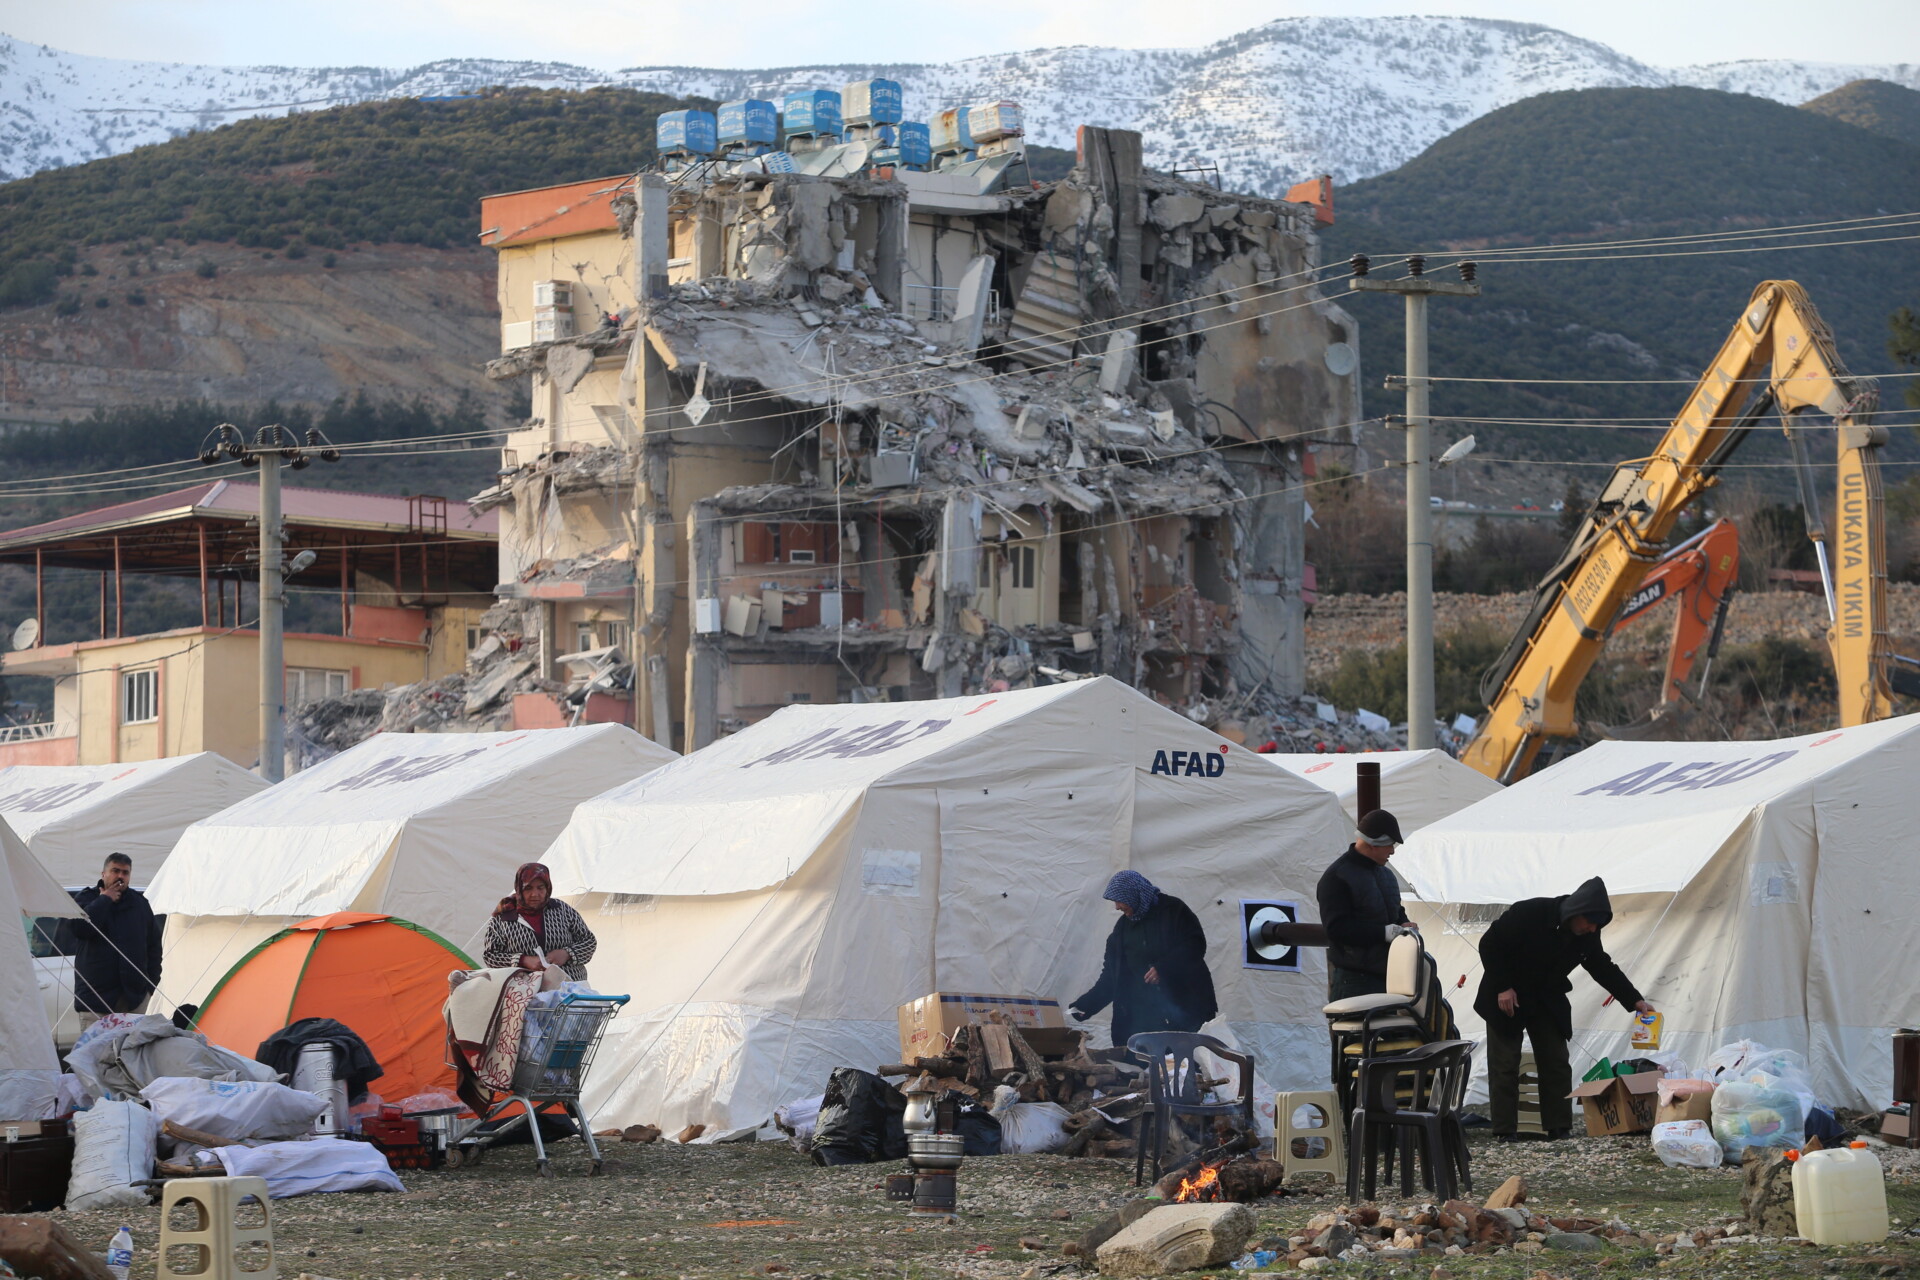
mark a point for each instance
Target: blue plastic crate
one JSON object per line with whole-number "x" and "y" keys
{"x": 687, "y": 131}
{"x": 814, "y": 111}
{"x": 753, "y": 120}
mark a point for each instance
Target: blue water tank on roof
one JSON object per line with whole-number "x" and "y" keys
{"x": 749, "y": 120}
{"x": 871, "y": 102}
{"x": 814, "y": 111}
{"x": 686, "y": 132}
{"x": 916, "y": 146}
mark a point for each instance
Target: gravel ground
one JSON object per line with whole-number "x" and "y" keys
{"x": 668, "y": 1211}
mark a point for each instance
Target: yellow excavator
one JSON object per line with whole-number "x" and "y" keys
{"x": 1780, "y": 356}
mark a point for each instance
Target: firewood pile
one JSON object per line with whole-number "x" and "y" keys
{"x": 1105, "y": 1090}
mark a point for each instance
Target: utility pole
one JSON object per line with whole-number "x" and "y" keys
{"x": 1416, "y": 288}
{"x": 271, "y": 448}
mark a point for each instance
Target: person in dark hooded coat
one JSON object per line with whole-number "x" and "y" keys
{"x": 1155, "y": 973}
{"x": 1528, "y": 955}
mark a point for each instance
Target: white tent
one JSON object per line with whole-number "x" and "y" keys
{"x": 73, "y": 816}
{"x": 1760, "y": 890}
{"x": 26, "y": 889}
{"x": 1417, "y": 787}
{"x": 429, "y": 827}
{"x": 771, "y": 900}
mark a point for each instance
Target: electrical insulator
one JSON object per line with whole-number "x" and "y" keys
{"x": 1416, "y": 265}
{"x": 1359, "y": 264}
{"x": 1468, "y": 270}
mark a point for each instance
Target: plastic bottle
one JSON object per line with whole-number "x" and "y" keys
{"x": 1840, "y": 1196}
{"x": 1255, "y": 1260}
{"x": 120, "y": 1254}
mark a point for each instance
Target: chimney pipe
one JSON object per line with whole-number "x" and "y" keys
{"x": 1366, "y": 787}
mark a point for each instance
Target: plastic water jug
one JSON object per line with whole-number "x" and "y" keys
{"x": 1840, "y": 1196}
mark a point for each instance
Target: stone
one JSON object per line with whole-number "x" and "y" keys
{"x": 640, "y": 1133}
{"x": 1508, "y": 1194}
{"x": 1063, "y": 1215}
{"x": 1178, "y": 1237}
{"x": 1529, "y": 1246}
{"x": 1335, "y": 1240}
{"x": 1108, "y": 1227}
{"x": 1515, "y": 1218}
{"x": 1315, "y": 1264}
{"x": 1574, "y": 1242}
{"x": 40, "y": 1247}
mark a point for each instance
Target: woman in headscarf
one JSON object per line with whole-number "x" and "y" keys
{"x": 533, "y": 929}
{"x": 1155, "y": 974}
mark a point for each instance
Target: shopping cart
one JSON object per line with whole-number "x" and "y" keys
{"x": 557, "y": 1046}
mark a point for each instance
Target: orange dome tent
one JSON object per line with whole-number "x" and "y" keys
{"x": 384, "y": 977}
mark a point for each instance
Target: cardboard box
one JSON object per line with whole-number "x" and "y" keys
{"x": 1622, "y": 1104}
{"x": 1693, "y": 1106}
{"x": 926, "y": 1024}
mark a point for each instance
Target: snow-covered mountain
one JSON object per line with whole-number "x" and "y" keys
{"x": 1270, "y": 106}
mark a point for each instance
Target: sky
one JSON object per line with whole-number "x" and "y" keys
{"x": 607, "y": 34}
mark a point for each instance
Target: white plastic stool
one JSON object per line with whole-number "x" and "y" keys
{"x": 1293, "y": 1144}
{"x": 215, "y": 1237}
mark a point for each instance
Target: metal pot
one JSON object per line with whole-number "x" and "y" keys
{"x": 936, "y": 1150}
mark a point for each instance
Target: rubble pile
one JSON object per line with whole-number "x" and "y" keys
{"x": 477, "y": 700}
{"x": 1355, "y": 1233}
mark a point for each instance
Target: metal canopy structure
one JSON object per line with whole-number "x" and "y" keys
{"x": 425, "y": 548}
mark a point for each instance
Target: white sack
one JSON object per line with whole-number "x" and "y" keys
{"x": 124, "y": 1061}
{"x": 1687, "y": 1142}
{"x": 797, "y": 1120}
{"x": 113, "y": 1147}
{"x": 305, "y": 1168}
{"x": 1032, "y": 1127}
{"x": 234, "y": 1108}
{"x": 29, "y": 1095}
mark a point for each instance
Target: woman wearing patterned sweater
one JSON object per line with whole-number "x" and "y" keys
{"x": 534, "y": 930}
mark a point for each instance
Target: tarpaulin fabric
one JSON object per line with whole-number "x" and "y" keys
{"x": 25, "y": 888}
{"x": 425, "y": 827}
{"x": 148, "y": 1047}
{"x": 384, "y": 978}
{"x": 963, "y": 846}
{"x": 1757, "y": 887}
{"x": 1416, "y": 787}
{"x": 73, "y": 816}
{"x": 304, "y": 1168}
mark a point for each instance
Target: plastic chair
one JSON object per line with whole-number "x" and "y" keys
{"x": 1404, "y": 1097}
{"x": 1392, "y": 1021}
{"x": 1293, "y": 1143}
{"x": 1173, "y": 1087}
{"x": 216, "y": 1238}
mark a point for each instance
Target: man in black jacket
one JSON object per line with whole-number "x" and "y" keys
{"x": 1155, "y": 973}
{"x": 1528, "y": 954}
{"x": 116, "y": 955}
{"x": 1360, "y": 907}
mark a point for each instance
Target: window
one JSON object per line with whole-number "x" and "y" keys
{"x": 1022, "y": 567}
{"x": 800, "y": 556}
{"x": 617, "y": 636}
{"x": 311, "y": 684}
{"x": 583, "y": 637}
{"x": 140, "y": 696}
{"x": 473, "y": 639}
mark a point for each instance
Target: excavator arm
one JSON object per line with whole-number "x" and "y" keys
{"x": 1698, "y": 575}
{"x": 1779, "y": 356}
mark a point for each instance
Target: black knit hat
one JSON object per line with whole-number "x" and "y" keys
{"x": 1380, "y": 829}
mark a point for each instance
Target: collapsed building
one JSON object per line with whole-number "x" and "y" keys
{"x": 865, "y": 433}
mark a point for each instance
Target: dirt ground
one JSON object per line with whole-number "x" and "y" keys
{"x": 759, "y": 1209}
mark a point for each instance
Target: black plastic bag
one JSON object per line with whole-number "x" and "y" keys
{"x": 860, "y": 1120}
{"x": 981, "y": 1130}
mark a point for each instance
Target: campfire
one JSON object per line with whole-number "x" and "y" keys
{"x": 1204, "y": 1185}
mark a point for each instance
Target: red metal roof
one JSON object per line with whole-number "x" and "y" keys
{"x": 547, "y": 213}
{"x": 240, "y": 500}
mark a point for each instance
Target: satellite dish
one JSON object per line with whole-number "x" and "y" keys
{"x": 1341, "y": 359}
{"x": 27, "y": 634}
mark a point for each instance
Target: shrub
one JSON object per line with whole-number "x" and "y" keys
{"x": 69, "y": 305}
{"x": 1377, "y": 679}
{"x": 135, "y": 298}
{"x": 206, "y": 270}
{"x": 27, "y": 284}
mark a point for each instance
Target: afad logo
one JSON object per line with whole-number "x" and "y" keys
{"x": 1191, "y": 764}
